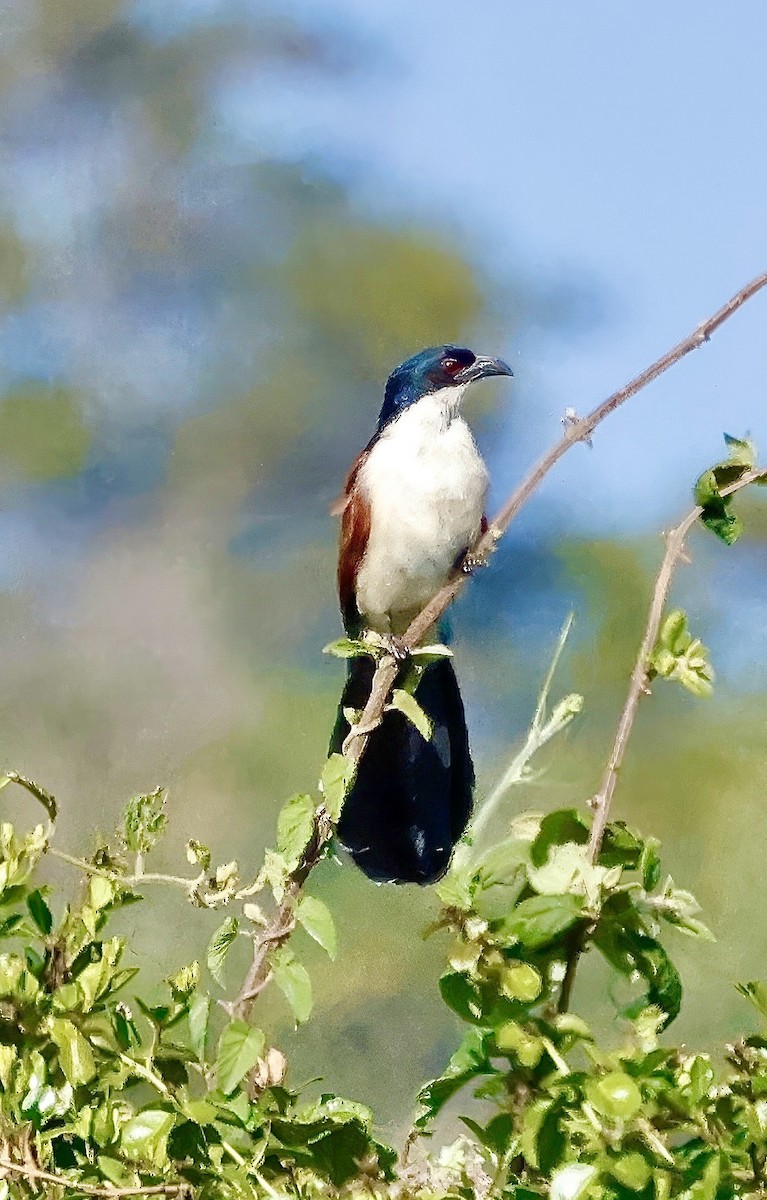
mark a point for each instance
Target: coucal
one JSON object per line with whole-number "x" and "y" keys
{"x": 412, "y": 506}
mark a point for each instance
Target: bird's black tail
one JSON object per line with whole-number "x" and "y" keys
{"x": 411, "y": 798}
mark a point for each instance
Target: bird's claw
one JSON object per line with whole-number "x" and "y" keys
{"x": 472, "y": 562}
{"x": 359, "y": 730}
{"x": 387, "y": 643}
{"x": 397, "y": 648}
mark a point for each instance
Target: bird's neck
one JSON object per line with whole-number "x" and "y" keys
{"x": 430, "y": 415}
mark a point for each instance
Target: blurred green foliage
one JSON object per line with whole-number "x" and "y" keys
{"x": 13, "y": 267}
{"x": 42, "y": 432}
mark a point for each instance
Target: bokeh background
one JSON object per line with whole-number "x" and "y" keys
{"x": 222, "y": 222}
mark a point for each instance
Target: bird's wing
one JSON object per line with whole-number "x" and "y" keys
{"x": 354, "y": 510}
{"x": 341, "y": 502}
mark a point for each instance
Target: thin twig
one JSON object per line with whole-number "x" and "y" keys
{"x": 280, "y": 925}
{"x": 40, "y": 793}
{"x": 134, "y": 880}
{"x": 89, "y": 1189}
{"x": 542, "y": 730}
{"x": 639, "y": 676}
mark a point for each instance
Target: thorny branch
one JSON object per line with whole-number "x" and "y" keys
{"x": 638, "y": 687}
{"x": 281, "y": 923}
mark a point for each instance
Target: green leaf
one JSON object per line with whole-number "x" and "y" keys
{"x": 40, "y": 912}
{"x": 678, "y": 656}
{"x": 505, "y": 865}
{"x": 318, "y": 922}
{"x": 632, "y": 1170}
{"x": 239, "y": 1050}
{"x": 462, "y": 995}
{"x": 512, "y": 1039}
{"x": 101, "y": 892}
{"x": 183, "y": 983}
{"x": 293, "y": 981}
{"x": 621, "y": 847}
{"x": 348, "y": 648}
{"x": 718, "y": 514}
{"x": 334, "y": 781}
{"x": 541, "y": 920}
{"x": 470, "y": 1060}
{"x": 198, "y": 854}
{"x": 570, "y": 871}
{"x": 649, "y": 864}
{"x": 295, "y": 826}
{"x": 116, "y": 1172}
{"x": 520, "y": 981}
{"x": 9, "y": 924}
{"x": 755, "y": 992}
{"x": 742, "y": 451}
{"x": 615, "y": 1095}
{"x": 707, "y": 1187}
{"x": 563, "y": 825}
{"x": 75, "y": 1055}
{"x": 426, "y": 655}
{"x": 407, "y": 704}
{"x": 198, "y": 1017}
{"x": 145, "y": 1137}
{"x": 144, "y": 820}
{"x": 573, "y": 1182}
{"x": 219, "y": 946}
{"x": 680, "y": 909}
{"x": 542, "y": 1142}
{"x": 664, "y": 984}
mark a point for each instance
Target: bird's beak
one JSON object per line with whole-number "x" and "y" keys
{"x": 482, "y": 368}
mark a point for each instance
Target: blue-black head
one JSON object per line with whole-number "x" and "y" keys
{"x": 433, "y": 370}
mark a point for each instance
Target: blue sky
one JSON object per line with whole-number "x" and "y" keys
{"x": 623, "y": 142}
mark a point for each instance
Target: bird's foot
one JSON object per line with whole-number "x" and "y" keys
{"x": 397, "y": 648}
{"x": 389, "y": 643}
{"x": 472, "y": 562}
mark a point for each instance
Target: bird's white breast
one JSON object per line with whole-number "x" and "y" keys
{"x": 426, "y": 484}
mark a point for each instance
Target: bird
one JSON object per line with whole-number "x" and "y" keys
{"x": 412, "y": 506}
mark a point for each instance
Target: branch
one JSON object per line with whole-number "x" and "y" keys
{"x": 88, "y": 1189}
{"x": 576, "y": 431}
{"x": 35, "y": 789}
{"x": 281, "y": 924}
{"x": 638, "y": 685}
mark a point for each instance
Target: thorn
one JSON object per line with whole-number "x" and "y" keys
{"x": 570, "y": 420}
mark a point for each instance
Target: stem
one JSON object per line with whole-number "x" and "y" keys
{"x": 40, "y": 793}
{"x": 89, "y": 1189}
{"x": 124, "y": 880}
{"x": 638, "y": 685}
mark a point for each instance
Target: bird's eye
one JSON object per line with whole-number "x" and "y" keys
{"x": 451, "y": 365}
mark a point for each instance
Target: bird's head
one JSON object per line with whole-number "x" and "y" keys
{"x": 437, "y": 369}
